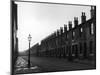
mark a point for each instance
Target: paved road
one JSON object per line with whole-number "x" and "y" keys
{"x": 56, "y": 64}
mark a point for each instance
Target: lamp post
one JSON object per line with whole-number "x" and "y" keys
{"x": 29, "y": 39}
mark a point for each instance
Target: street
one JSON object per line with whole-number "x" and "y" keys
{"x": 49, "y": 64}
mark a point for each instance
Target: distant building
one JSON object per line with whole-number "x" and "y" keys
{"x": 35, "y": 49}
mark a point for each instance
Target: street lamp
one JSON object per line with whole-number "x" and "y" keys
{"x": 29, "y": 39}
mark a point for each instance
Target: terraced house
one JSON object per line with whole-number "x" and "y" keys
{"x": 78, "y": 42}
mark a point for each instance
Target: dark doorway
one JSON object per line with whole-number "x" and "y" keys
{"x": 85, "y": 50}
{"x": 76, "y": 51}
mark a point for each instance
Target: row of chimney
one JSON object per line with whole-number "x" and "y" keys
{"x": 69, "y": 27}
{"x": 83, "y": 19}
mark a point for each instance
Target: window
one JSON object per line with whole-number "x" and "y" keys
{"x": 80, "y": 32}
{"x": 73, "y": 35}
{"x": 91, "y": 29}
{"x": 81, "y": 29}
{"x": 92, "y": 32}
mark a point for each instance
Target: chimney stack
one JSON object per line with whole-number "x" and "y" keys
{"x": 65, "y": 28}
{"x": 57, "y": 32}
{"x": 70, "y": 25}
{"x": 75, "y": 21}
{"x": 83, "y": 17}
{"x": 61, "y": 30}
{"x": 92, "y": 11}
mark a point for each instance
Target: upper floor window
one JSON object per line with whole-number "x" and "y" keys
{"x": 80, "y": 32}
{"x": 91, "y": 29}
{"x": 73, "y": 34}
{"x": 81, "y": 29}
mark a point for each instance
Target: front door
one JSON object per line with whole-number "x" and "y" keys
{"x": 76, "y": 51}
{"x": 85, "y": 50}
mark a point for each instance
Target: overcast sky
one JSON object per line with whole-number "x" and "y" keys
{"x": 40, "y": 20}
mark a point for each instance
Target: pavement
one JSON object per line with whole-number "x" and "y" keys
{"x": 50, "y": 64}
{"x": 22, "y": 67}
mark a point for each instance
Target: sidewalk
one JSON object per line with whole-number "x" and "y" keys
{"x": 21, "y": 67}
